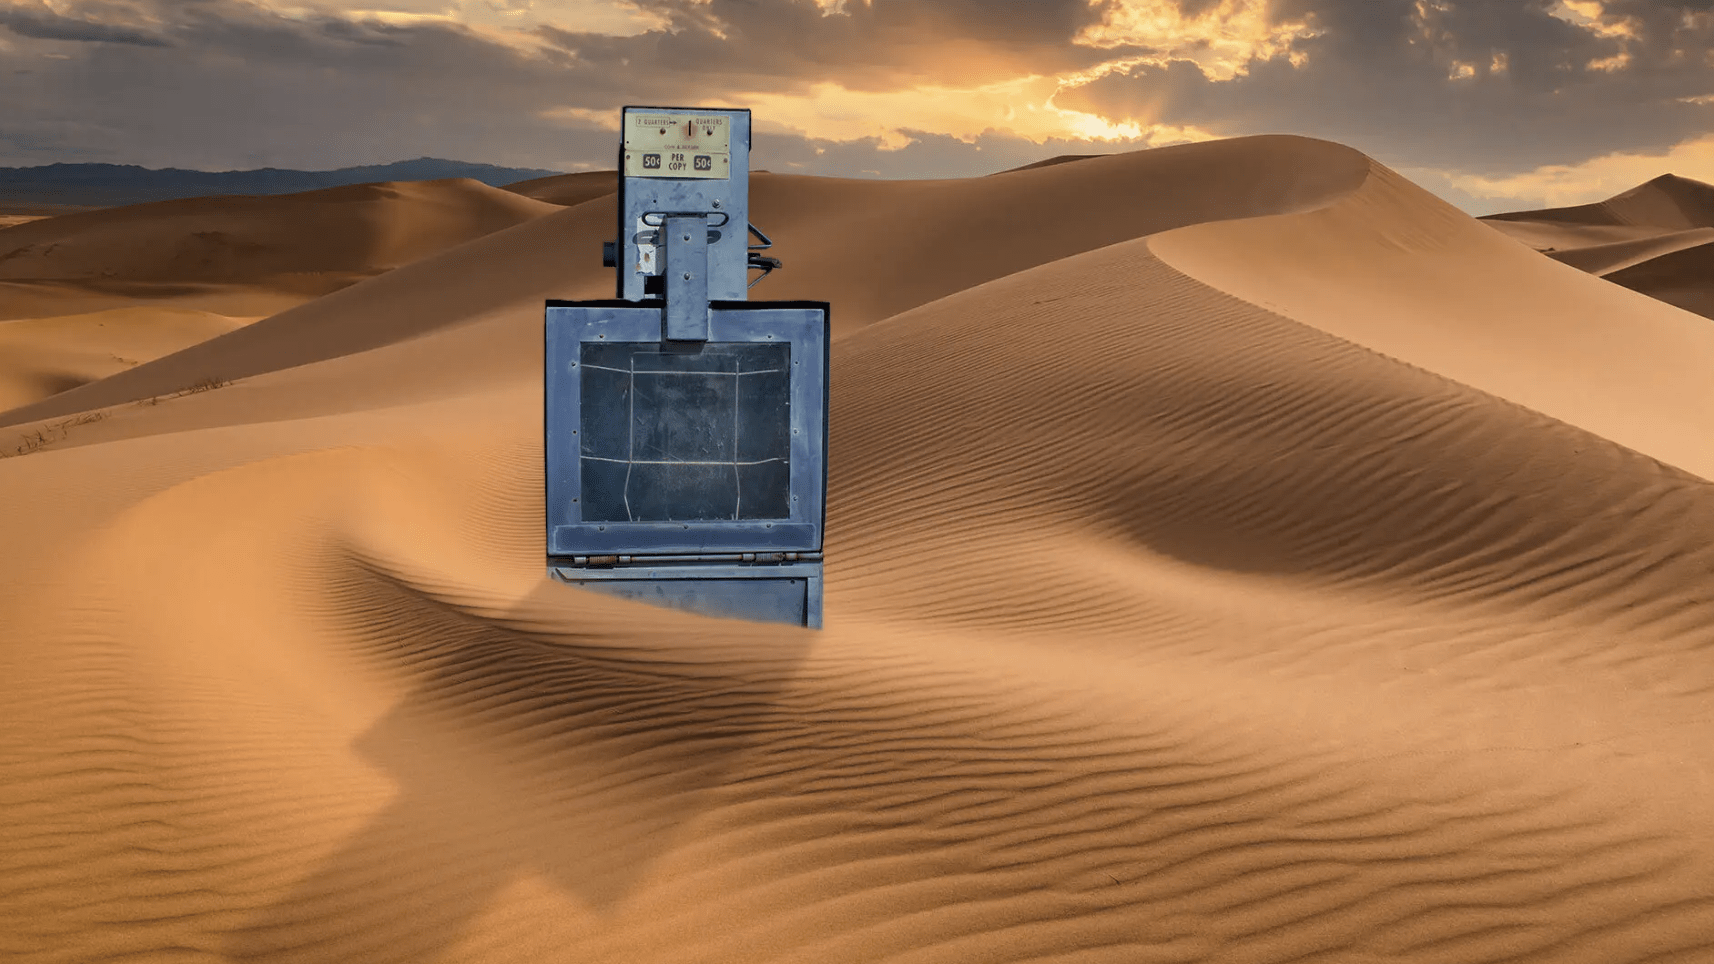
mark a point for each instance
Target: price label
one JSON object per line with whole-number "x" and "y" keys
{"x": 678, "y": 145}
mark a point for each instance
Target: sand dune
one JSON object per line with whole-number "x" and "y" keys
{"x": 1650, "y": 223}
{"x": 1391, "y": 267}
{"x": 1604, "y": 259}
{"x": 1553, "y": 237}
{"x": 43, "y": 357}
{"x": 240, "y": 257}
{"x": 916, "y": 241}
{"x": 1683, "y": 276}
{"x": 1668, "y": 202}
{"x": 1058, "y": 159}
{"x": 356, "y": 231}
{"x": 13, "y": 212}
{"x": 568, "y": 189}
{"x": 1166, "y": 620}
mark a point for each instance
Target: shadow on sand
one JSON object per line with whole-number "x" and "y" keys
{"x": 534, "y": 742}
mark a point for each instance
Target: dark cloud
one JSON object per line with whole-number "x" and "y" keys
{"x": 40, "y": 22}
{"x": 1379, "y": 77}
{"x": 246, "y": 88}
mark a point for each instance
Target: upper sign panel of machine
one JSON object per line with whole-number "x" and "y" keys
{"x": 677, "y": 145}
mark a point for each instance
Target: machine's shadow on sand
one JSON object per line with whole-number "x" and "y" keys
{"x": 521, "y": 755}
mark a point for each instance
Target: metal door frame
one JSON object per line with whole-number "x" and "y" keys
{"x": 804, "y": 325}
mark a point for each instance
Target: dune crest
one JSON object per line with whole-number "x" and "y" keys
{"x": 248, "y": 257}
{"x": 1644, "y": 229}
{"x": 1393, "y": 268}
{"x": 568, "y": 190}
{"x": 1668, "y": 202}
{"x": 1605, "y": 258}
{"x": 342, "y": 232}
{"x": 1682, "y": 277}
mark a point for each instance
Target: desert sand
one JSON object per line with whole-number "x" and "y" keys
{"x": 1657, "y": 238}
{"x": 1234, "y": 554}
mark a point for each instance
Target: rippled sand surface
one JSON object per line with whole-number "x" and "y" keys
{"x": 1234, "y": 554}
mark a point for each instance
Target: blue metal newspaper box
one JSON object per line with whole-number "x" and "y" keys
{"x": 686, "y": 427}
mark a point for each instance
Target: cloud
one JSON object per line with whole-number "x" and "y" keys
{"x": 38, "y": 21}
{"x": 754, "y": 46}
{"x": 1222, "y": 37}
{"x": 1563, "y": 185}
{"x": 1485, "y": 87}
{"x": 252, "y": 84}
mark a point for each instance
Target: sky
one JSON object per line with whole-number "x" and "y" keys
{"x": 1492, "y": 104}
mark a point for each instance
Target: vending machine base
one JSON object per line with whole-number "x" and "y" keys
{"x": 777, "y": 594}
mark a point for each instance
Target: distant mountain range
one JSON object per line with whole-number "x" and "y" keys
{"x": 58, "y": 186}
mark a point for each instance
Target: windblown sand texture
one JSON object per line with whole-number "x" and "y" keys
{"x": 1234, "y": 554}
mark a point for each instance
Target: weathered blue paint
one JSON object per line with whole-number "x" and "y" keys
{"x": 685, "y": 428}
{"x": 570, "y": 325}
